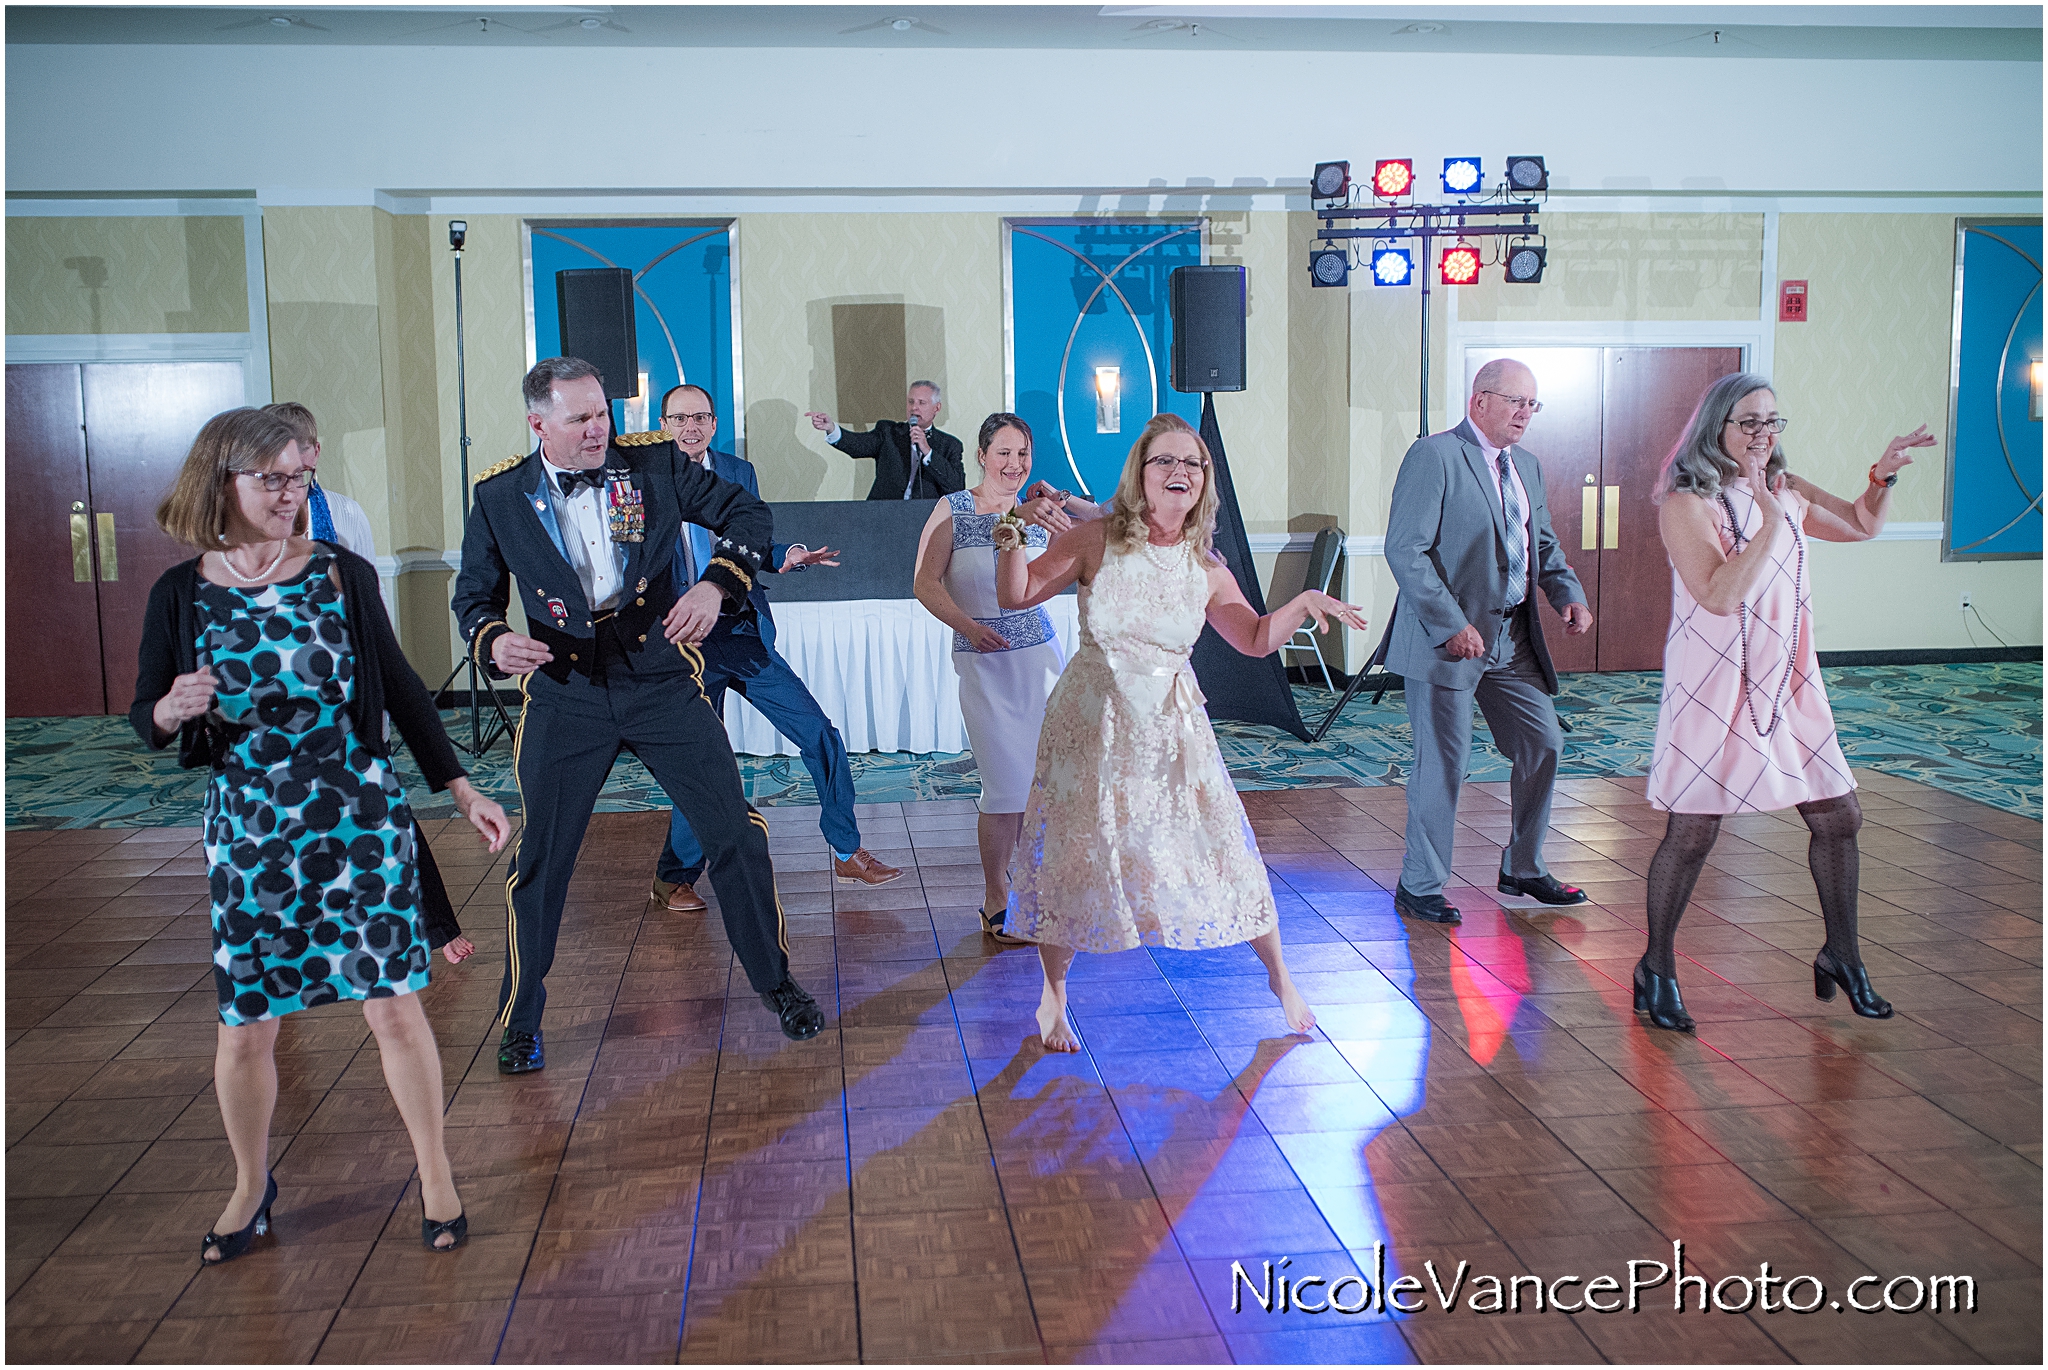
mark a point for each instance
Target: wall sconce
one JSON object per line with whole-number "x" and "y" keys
{"x": 636, "y": 408}
{"x": 2034, "y": 391}
{"x": 1108, "y": 400}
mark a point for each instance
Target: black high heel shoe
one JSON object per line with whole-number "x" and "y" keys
{"x": 1657, "y": 999}
{"x": 1854, "y": 980}
{"x": 993, "y": 927}
{"x": 236, "y": 1243}
{"x": 457, "y": 1227}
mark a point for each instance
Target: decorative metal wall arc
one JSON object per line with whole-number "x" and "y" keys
{"x": 1108, "y": 282}
{"x": 1997, "y": 322}
{"x": 652, "y": 308}
{"x": 1998, "y": 412}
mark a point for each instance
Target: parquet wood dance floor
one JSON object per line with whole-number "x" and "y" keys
{"x": 921, "y": 1182}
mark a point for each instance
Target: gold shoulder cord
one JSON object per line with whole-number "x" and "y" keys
{"x": 497, "y": 469}
{"x": 639, "y": 439}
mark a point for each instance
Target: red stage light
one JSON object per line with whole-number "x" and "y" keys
{"x": 1393, "y": 179}
{"x": 1459, "y": 265}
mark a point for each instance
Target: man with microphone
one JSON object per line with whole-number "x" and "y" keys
{"x": 913, "y": 460}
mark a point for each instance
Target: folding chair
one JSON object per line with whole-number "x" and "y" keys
{"x": 1322, "y": 571}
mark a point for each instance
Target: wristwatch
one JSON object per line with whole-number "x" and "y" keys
{"x": 1888, "y": 482}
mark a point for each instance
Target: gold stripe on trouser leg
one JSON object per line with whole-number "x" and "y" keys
{"x": 781, "y": 921}
{"x": 512, "y": 879}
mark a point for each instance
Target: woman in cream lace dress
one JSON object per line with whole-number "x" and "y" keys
{"x": 1133, "y": 833}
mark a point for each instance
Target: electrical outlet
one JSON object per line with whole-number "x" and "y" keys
{"x": 1966, "y": 601}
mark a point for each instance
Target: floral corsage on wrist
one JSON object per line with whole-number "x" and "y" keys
{"x": 1008, "y": 534}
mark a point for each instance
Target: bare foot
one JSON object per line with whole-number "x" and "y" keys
{"x": 1055, "y": 1032}
{"x": 1300, "y": 1017}
{"x": 458, "y": 951}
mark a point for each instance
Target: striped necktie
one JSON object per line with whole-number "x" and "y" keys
{"x": 1518, "y": 549}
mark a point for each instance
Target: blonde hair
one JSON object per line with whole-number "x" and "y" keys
{"x": 1125, "y": 529}
{"x": 196, "y": 510}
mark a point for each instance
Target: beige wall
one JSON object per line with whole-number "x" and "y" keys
{"x": 1871, "y": 362}
{"x": 361, "y": 313}
{"x": 141, "y": 274}
{"x": 1640, "y": 267}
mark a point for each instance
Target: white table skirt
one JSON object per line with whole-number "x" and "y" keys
{"x": 882, "y": 669}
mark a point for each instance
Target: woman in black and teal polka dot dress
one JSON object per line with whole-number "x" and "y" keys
{"x": 270, "y": 659}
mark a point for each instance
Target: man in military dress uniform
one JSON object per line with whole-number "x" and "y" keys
{"x": 589, "y": 527}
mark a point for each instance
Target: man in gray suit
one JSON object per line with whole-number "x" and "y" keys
{"x": 1469, "y": 542}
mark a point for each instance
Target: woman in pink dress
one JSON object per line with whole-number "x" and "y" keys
{"x": 1744, "y": 724}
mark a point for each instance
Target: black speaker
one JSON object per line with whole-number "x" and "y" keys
{"x": 596, "y": 309}
{"x": 1208, "y": 328}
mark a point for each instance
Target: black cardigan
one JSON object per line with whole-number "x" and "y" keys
{"x": 384, "y": 681}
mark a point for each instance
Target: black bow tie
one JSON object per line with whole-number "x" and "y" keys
{"x": 571, "y": 479}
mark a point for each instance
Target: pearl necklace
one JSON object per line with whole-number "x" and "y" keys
{"x": 1174, "y": 554}
{"x": 263, "y": 574}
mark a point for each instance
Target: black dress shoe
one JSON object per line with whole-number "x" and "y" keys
{"x": 1657, "y": 999}
{"x": 1431, "y": 908}
{"x": 801, "y": 1017}
{"x": 1547, "y": 888}
{"x": 1854, "y": 980}
{"x": 519, "y": 1052}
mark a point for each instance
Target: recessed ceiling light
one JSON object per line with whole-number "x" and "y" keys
{"x": 903, "y": 25}
{"x": 279, "y": 21}
{"x": 591, "y": 22}
{"x": 1422, "y": 28}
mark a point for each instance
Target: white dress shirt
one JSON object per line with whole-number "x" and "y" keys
{"x": 587, "y": 539}
{"x": 351, "y": 524}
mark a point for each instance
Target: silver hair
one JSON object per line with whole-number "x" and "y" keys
{"x": 932, "y": 386}
{"x": 1488, "y": 376}
{"x": 1697, "y": 465}
{"x": 539, "y": 385}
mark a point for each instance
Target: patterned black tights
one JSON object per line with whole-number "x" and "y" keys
{"x": 1688, "y": 837}
{"x": 1831, "y": 854}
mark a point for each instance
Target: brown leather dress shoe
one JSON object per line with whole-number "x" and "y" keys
{"x": 678, "y": 898}
{"x": 864, "y": 869}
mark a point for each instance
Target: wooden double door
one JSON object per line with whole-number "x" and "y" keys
{"x": 1610, "y": 416}
{"x": 91, "y": 450}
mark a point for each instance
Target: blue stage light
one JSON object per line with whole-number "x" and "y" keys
{"x": 1392, "y": 266}
{"x": 1329, "y": 266}
{"x": 1463, "y": 176}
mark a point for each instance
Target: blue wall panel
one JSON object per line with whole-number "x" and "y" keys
{"x": 1065, "y": 322}
{"x": 682, "y": 311}
{"x": 1995, "y": 468}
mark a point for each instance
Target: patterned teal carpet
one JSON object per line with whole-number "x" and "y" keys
{"x": 1974, "y": 730}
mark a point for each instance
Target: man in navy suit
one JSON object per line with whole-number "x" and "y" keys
{"x": 739, "y": 654}
{"x": 610, "y": 662}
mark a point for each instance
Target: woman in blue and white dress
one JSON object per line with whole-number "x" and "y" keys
{"x": 1007, "y": 662}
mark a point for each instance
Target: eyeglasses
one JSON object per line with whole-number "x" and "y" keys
{"x": 1516, "y": 401}
{"x": 688, "y": 418}
{"x": 1188, "y": 464}
{"x": 274, "y": 481}
{"x": 1755, "y": 426}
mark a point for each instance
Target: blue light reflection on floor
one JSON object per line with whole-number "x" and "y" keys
{"x": 1190, "y": 1093}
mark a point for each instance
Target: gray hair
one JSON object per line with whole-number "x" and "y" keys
{"x": 1697, "y": 465}
{"x": 1488, "y": 376}
{"x": 539, "y": 385}
{"x": 932, "y": 386}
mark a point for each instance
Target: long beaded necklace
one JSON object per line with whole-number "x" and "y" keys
{"x": 1742, "y": 610}
{"x": 263, "y": 574}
